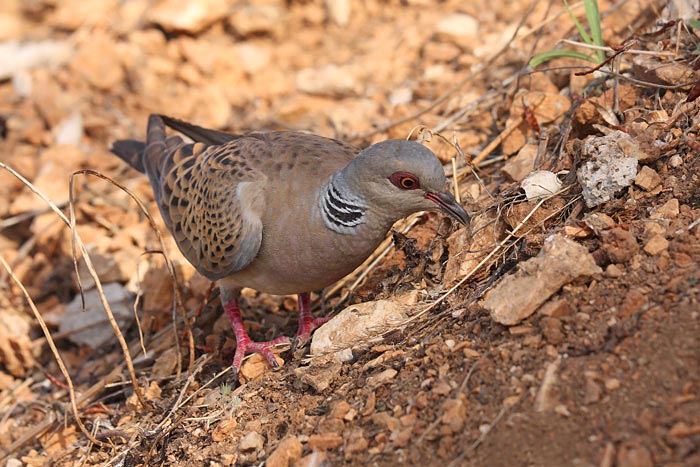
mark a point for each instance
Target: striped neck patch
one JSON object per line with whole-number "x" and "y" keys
{"x": 341, "y": 212}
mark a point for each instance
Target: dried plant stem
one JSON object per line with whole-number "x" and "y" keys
{"x": 655, "y": 53}
{"x": 483, "y": 154}
{"x": 11, "y": 393}
{"x": 190, "y": 379}
{"x": 179, "y": 302}
{"x": 57, "y": 356}
{"x": 455, "y": 179}
{"x": 37, "y": 430}
{"x": 78, "y": 244}
{"x": 54, "y": 208}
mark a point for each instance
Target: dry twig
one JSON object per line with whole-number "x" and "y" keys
{"x": 56, "y": 354}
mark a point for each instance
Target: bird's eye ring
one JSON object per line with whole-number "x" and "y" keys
{"x": 404, "y": 180}
{"x": 407, "y": 183}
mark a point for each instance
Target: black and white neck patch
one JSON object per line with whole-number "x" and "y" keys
{"x": 341, "y": 211}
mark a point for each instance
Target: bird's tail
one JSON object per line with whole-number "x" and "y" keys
{"x": 131, "y": 152}
{"x": 137, "y": 153}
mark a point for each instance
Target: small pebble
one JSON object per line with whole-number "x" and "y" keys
{"x": 251, "y": 442}
{"x": 675, "y": 160}
{"x": 585, "y": 317}
{"x": 613, "y": 270}
{"x": 612, "y": 383}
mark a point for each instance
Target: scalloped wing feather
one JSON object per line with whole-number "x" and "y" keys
{"x": 212, "y": 200}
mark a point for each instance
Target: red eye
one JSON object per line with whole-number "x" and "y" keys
{"x": 404, "y": 180}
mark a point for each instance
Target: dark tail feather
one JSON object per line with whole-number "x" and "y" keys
{"x": 136, "y": 153}
{"x": 155, "y": 133}
{"x": 153, "y": 157}
{"x": 197, "y": 133}
{"x": 131, "y": 152}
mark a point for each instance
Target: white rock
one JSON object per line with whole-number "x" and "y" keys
{"x": 608, "y": 171}
{"x": 70, "y": 130}
{"x": 16, "y": 57}
{"x": 540, "y": 184}
{"x": 22, "y": 83}
{"x": 91, "y": 326}
{"x": 403, "y": 95}
{"x": 187, "y": 16}
{"x": 356, "y": 326}
{"x": 329, "y": 80}
{"x": 252, "y": 57}
{"x": 458, "y": 25}
{"x": 339, "y": 11}
{"x": 675, "y": 160}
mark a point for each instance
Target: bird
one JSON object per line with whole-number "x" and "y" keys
{"x": 281, "y": 212}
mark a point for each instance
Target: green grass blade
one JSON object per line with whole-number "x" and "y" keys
{"x": 593, "y": 17}
{"x": 552, "y": 54}
{"x": 581, "y": 30}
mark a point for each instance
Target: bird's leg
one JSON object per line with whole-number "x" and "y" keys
{"x": 244, "y": 345}
{"x": 307, "y": 323}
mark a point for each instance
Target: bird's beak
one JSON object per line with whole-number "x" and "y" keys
{"x": 447, "y": 203}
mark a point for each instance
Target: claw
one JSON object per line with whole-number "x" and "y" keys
{"x": 244, "y": 345}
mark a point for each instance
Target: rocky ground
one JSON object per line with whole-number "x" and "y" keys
{"x": 562, "y": 327}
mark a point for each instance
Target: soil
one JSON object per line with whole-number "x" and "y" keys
{"x": 605, "y": 372}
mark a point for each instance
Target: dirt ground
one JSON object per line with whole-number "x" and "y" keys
{"x": 598, "y": 368}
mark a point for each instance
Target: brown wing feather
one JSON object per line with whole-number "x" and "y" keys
{"x": 202, "y": 201}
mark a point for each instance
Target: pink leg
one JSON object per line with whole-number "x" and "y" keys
{"x": 246, "y": 346}
{"x": 307, "y": 323}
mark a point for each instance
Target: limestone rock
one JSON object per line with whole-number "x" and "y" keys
{"x": 540, "y": 184}
{"x": 517, "y": 296}
{"x": 608, "y": 170}
{"x": 186, "y": 16}
{"x": 356, "y": 326}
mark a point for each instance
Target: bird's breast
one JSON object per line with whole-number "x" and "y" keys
{"x": 299, "y": 253}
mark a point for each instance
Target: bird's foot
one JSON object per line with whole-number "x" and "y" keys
{"x": 307, "y": 323}
{"x": 245, "y": 346}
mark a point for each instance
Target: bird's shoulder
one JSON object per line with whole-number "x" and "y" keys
{"x": 257, "y": 156}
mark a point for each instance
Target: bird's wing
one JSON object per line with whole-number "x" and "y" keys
{"x": 211, "y": 198}
{"x": 198, "y": 133}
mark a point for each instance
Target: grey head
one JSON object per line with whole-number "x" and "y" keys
{"x": 397, "y": 178}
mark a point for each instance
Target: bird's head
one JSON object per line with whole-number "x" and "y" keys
{"x": 403, "y": 177}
